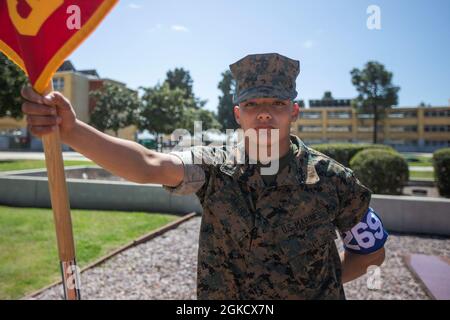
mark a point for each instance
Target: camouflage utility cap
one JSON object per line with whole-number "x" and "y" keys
{"x": 269, "y": 75}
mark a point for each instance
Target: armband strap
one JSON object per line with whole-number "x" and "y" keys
{"x": 367, "y": 236}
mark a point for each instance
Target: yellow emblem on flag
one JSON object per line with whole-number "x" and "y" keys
{"x": 40, "y": 10}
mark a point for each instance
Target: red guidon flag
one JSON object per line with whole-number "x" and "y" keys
{"x": 38, "y": 35}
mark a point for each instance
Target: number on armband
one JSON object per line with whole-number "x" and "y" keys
{"x": 365, "y": 233}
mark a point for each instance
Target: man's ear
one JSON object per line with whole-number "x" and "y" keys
{"x": 295, "y": 112}
{"x": 237, "y": 114}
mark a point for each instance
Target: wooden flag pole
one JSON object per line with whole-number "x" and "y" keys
{"x": 61, "y": 211}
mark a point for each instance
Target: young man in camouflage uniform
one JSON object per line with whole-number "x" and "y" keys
{"x": 262, "y": 236}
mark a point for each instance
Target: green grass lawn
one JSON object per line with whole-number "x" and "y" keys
{"x": 418, "y": 161}
{"x": 421, "y": 175}
{"x": 28, "y": 253}
{"x": 10, "y": 165}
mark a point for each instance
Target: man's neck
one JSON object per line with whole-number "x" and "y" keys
{"x": 278, "y": 150}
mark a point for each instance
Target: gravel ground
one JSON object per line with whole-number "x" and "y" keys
{"x": 165, "y": 268}
{"x": 397, "y": 282}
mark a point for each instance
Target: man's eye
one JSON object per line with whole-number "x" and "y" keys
{"x": 279, "y": 103}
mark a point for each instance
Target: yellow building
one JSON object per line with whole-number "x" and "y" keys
{"x": 419, "y": 129}
{"x": 76, "y": 86}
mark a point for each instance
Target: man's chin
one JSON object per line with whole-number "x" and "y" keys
{"x": 263, "y": 137}
{"x": 264, "y": 142}
{"x": 267, "y": 139}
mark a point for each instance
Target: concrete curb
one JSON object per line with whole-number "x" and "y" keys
{"x": 25, "y": 189}
{"x": 410, "y": 214}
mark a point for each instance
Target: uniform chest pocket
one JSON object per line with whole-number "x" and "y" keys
{"x": 299, "y": 241}
{"x": 307, "y": 252}
{"x": 227, "y": 211}
{"x": 301, "y": 209}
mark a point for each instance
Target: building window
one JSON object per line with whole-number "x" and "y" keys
{"x": 365, "y": 116}
{"x": 365, "y": 128}
{"x": 330, "y": 103}
{"x": 339, "y": 115}
{"x": 58, "y": 84}
{"x": 396, "y": 115}
{"x": 442, "y": 128}
{"x": 339, "y": 129}
{"x": 310, "y": 115}
{"x": 400, "y": 142}
{"x": 437, "y": 113}
{"x": 402, "y": 114}
{"x": 437, "y": 143}
{"x": 403, "y": 128}
{"x": 310, "y": 128}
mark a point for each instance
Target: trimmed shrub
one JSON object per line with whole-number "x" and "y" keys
{"x": 441, "y": 164}
{"x": 344, "y": 152}
{"x": 382, "y": 171}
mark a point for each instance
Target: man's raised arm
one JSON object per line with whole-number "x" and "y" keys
{"x": 124, "y": 158}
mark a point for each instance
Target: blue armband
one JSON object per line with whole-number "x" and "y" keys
{"x": 367, "y": 236}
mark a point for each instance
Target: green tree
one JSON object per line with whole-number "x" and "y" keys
{"x": 208, "y": 119}
{"x": 12, "y": 79}
{"x": 327, "y": 95}
{"x": 225, "y": 108}
{"x": 376, "y": 93}
{"x": 190, "y": 115}
{"x": 423, "y": 104}
{"x": 163, "y": 109}
{"x": 181, "y": 79}
{"x": 116, "y": 107}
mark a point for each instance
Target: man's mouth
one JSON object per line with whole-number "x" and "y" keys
{"x": 264, "y": 127}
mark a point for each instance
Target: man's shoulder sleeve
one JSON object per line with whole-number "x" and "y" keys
{"x": 197, "y": 163}
{"x": 353, "y": 198}
{"x": 193, "y": 177}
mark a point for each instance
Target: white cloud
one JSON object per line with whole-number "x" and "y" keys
{"x": 179, "y": 28}
{"x": 308, "y": 44}
{"x": 134, "y": 6}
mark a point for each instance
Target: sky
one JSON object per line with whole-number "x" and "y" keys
{"x": 140, "y": 40}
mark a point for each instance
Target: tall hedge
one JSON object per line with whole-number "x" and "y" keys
{"x": 381, "y": 170}
{"x": 441, "y": 164}
{"x": 344, "y": 152}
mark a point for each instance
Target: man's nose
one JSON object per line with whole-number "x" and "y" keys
{"x": 264, "y": 115}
